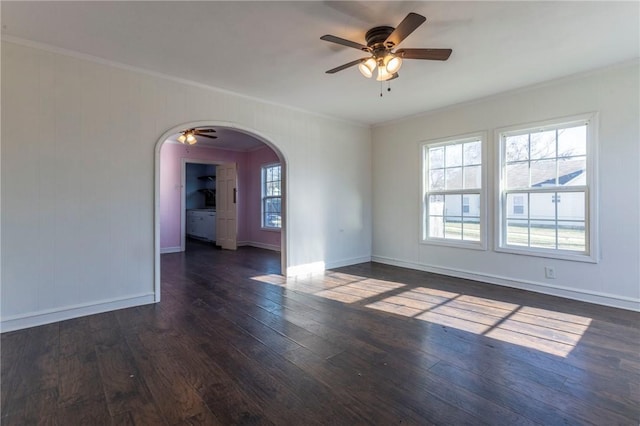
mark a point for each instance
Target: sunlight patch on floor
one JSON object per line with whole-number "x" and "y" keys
{"x": 553, "y": 332}
{"x": 273, "y": 279}
{"x": 351, "y": 290}
{"x": 549, "y": 331}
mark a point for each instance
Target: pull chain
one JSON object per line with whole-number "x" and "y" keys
{"x": 388, "y": 87}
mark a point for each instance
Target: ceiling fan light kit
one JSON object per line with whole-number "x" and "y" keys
{"x": 380, "y": 44}
{"x": 392, "y": 63}
{"x": 189, "y": 136}
{"x": 387, "y": 66}
{"x": 367, "y": 67}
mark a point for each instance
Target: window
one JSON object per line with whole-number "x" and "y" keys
{"x": 453, "y": 192}
{"x": 271, "y": 196}
{"x": 546, "y": 189}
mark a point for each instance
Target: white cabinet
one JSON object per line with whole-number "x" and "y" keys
{"x": 201, "y": 224}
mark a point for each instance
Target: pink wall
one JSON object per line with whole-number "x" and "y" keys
{"x": 249, "y": 164}
{"x": 255, "y": 160}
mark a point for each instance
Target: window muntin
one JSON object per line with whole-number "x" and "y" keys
{"x": 545, "y": 190}
{"x": 272, "y": 196}
{"x": 453, "y": 192}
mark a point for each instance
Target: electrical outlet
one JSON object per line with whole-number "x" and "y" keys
{"x": 549, "y": 273}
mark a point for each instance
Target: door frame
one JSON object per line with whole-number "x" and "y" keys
{"x": 183, "y": 195}
{"x": 284, "y": 235}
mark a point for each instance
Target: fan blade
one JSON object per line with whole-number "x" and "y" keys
{"x": 394, "y": 76}
{"x": 344, "y": 42}
{"x": 432, "y": 54}
{"x": 206, "y": 136}
{"x": 204, "y": 130}
{"x": 345, "y": 66}
{"x": 406, "y": 27}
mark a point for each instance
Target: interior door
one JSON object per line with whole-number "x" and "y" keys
{"x": 226, "y": 206}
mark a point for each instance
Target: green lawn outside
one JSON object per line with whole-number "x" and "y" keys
{"x": 568, "y": 238}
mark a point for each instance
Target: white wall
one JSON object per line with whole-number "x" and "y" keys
{"x": 78, "y": 143}
{"x": 615, "y": 280}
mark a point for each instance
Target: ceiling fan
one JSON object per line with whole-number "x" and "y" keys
{"x": 189, "y": 136}
{"x": 381, "y": 42}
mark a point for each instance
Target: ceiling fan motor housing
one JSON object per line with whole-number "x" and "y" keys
{"x": 376, "y": 37}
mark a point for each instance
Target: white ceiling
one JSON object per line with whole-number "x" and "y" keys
{"x": 272, "y": 50}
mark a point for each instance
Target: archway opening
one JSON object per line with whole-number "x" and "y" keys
{"x": 259, "y": 196}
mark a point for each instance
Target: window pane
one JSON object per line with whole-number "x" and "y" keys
{"x": 471, "y": 230}
{"x": 543, "y": 173}
{"x": 436, "y": 226}
{"x": 273, "y": 188}
{"x": 436, "y": 158}
{"x": 451, "y": 168}
{"x": 571, "y": 236}
{"x": 436, "y": 179}
{"x": 543, "y": 161}
{"x": 272, "y": 220}
{"x": 453, "y": 178}
{"x": 453, "y": 155}
{"x": 517, "y": 148}
{"x": 543, "y": 234}
{"x": 472, "y": 177}
{"x": 572, "y": 171}
{"x": 471, "y": 205}
{"x": 517, "y": 232}
{"x": 517, "y": 206}
{"x": 453, "y": 228}
{"x": 272, "y": 205}
{"x": 542, "y": 206}
{"x": 543, "y": 144}
{"x": 436, "y": 205}
{"x": 453, "y": 205}
{"x": 271, "y": 211}
{"x": 517, "y": 175}
{"x": 572, "y": 141}
{"x": 571, "y": 206}
{"x": 472, "y": 153}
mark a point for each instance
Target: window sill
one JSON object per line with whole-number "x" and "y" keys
{"x": 270, "y": 229}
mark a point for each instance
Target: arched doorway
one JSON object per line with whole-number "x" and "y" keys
{"x": 229, "y": 127}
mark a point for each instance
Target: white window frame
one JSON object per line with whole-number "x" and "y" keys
{"x": 424, "y": 191}
{"x": 263, "y": 196}
{"x": 590, "y": 189}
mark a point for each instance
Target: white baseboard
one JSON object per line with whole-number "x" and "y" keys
{"x": 32, "y": 319}
{"x": 598, "y": 298}
{"x": 259, "y": 245}
{"x": 170, "y": 250}
{"x": 347, "y": 262}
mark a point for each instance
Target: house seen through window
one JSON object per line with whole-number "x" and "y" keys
{"x": 544, "y": 188}
{"x": 452, "y": 175}
{"x": 271, "y": 196}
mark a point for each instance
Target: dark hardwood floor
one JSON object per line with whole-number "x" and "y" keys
{"x": 232, "y": 342}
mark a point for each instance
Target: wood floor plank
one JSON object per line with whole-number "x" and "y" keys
{"x": 178, "y": 402}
